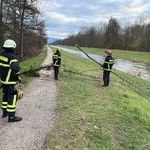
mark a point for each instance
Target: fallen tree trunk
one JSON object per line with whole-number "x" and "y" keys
{"x": 79, "y": 73}
{"x": 35, "y": 68}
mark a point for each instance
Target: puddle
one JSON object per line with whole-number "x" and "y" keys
{"x": 138, "y": 69}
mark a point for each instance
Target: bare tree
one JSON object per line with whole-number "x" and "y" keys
{"x": 22, "y": 22}
{"x": 1, "y": 21}
{"x": 131, "y": 36}
{"x": 112, "y": 33}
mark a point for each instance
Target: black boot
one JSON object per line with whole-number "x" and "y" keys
{"x": 14, "y": 119}
{"x": 5, "y": 114}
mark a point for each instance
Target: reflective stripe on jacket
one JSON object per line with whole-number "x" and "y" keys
{"x": 109, "y": 61}
{"x": 56, "y": 60}
{"x": 9, "y": 68}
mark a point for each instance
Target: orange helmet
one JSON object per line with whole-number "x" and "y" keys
{"x": 108, "y": 51}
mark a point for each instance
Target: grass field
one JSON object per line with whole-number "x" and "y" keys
{"x": 94, "y": 118}
{"x": 135, "y": 56}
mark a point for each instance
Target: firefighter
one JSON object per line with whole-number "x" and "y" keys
{"x": 56, "y": 63}
{"x": 9, "y": 76}
{"x": 107, "y": 66}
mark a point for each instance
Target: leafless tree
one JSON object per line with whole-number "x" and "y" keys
{"x": 21, "y": 21}
{"x": 135, "y": 36}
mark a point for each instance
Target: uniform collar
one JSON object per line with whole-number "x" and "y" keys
{"x": 9, "y": 50}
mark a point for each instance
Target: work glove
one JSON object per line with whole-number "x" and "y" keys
{"x": 20, "y": 94}
{"x": 19, "y": 90}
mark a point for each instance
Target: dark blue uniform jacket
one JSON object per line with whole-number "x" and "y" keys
{"x": 9, "y": 68}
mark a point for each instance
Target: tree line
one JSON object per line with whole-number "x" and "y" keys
{"x": 21, "y": 21}
{"x": 135, "y": 36}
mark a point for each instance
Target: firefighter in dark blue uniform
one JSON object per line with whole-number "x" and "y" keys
{"x": 56, "y": 63}
{"x": 107, "y": 66}
{"x": 9, "y": 76}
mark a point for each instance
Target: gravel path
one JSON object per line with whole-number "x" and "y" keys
{"x": 38, "y": 111}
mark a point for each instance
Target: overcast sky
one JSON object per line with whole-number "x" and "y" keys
{"x": 64, "y": 17}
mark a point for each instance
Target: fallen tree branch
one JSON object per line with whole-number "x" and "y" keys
{"x": 36, "y": 68}
{"x": 79, "y": 73}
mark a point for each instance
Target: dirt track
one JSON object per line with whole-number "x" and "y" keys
{"x": 38, "y": 111}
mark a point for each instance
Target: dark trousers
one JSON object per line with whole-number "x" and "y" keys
{"x": 9, "y": 100}
{"x": 106, "y": 75}
{"x": 56, "y": 72}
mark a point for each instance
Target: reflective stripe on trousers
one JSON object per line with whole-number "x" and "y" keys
{"x": 12, "y": 107}
{"x": 9, "y": 98}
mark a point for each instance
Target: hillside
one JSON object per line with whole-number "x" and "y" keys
{"x": 92, "y": 117}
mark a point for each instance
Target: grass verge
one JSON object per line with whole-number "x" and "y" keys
{"x": 29, "y": 63}
{"x": 96, "y": 118}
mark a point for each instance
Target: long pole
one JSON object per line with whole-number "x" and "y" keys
{"x": 88, "y": 55}
{"x": 111, "y": 71}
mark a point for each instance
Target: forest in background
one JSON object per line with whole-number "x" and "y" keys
{"x": 21, "y": 21}
{"x": 115, "y": 35}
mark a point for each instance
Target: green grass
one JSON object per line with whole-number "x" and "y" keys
{"x": 31, "y": 63}
{"x": 94, "y": 118}
{"x": 135, "y": 56}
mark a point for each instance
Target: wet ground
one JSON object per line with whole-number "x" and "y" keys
{"x": 139, "y": 69}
